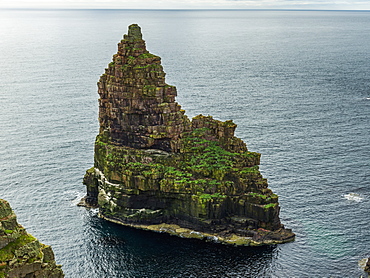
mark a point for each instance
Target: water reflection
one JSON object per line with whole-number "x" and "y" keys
{"x": 116, "y": 251}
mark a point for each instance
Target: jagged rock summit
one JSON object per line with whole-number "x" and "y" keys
{"x": 22, "y": 255}
{"x": 137, "y": 107}
{"x": 157, "y": 170}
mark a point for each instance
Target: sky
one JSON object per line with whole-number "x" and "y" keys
{"x": 189, "y": 4}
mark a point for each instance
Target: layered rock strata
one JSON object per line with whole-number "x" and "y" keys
{"x": 22, "y": 255}
{"x": 157, "y": 170}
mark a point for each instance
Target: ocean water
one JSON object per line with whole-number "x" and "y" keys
{"x": 297, "y": 83}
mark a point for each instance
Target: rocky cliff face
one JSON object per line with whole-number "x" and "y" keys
{"x": 22, "y": 255}
{"x": 157, "y": 170}
{"x": 136, "y": 107}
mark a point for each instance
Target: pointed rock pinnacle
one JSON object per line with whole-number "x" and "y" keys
{"x": 134, "y": 33}
{"x": 137, "y": 108}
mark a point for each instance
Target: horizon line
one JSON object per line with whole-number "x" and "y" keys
{"x": 191, "y": 9}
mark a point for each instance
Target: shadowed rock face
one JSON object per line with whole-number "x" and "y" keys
{"x": 157, "y": 170}
{"x": 22, "y": 255}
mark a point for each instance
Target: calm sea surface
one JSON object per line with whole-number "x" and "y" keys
{"x": 297, "y": 83}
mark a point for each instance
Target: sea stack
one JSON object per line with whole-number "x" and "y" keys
{"x": 22, "y": 255}
{"x": 155, "y": 169}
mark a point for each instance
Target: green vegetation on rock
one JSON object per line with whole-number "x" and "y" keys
{"x": 153, "y": 166}
{"x": 21, "y": 254}
{"x": 8, "y": 252}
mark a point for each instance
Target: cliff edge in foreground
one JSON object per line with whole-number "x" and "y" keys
{"x": 157, "y": 170}
{"x": 22, "y": 255}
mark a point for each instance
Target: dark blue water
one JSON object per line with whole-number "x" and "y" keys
{"x": 297, "y": 83}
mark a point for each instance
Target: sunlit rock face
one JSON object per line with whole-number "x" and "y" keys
{"x": 157, "y": 170}
{"x": 22, "y": 255}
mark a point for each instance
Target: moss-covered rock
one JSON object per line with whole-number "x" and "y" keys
{"x": 22, "y": 255}
{"x": 154, "y": 168}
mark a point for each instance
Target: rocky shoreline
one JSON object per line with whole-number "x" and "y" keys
{"x": 260, "y": 237}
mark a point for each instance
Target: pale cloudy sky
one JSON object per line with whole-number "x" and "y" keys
{"x": 190, "y": 4}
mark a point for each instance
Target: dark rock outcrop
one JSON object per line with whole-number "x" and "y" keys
{"x": 157, "y": 170}
{"x": 22, "y": 255}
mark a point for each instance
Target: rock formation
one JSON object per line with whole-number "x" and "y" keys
{"x": 157, "y": 170}
{"x": 22, "y": 255}
{"x": 367, "y": 266}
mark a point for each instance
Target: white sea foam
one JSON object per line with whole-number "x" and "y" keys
{"x": 77, "y": 198}
{"x": 353, "y": 197}
{"x": 94, "y": 211}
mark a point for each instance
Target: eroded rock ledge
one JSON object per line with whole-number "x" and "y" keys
{"x": 157, "y": 170}
{"x": 22, "y": 255}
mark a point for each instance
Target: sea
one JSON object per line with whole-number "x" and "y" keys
{"x": 296, "y": 82}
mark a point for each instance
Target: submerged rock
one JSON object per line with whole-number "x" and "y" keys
{"x": 157, "y": 170}
{"x": 22, "y": 255}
